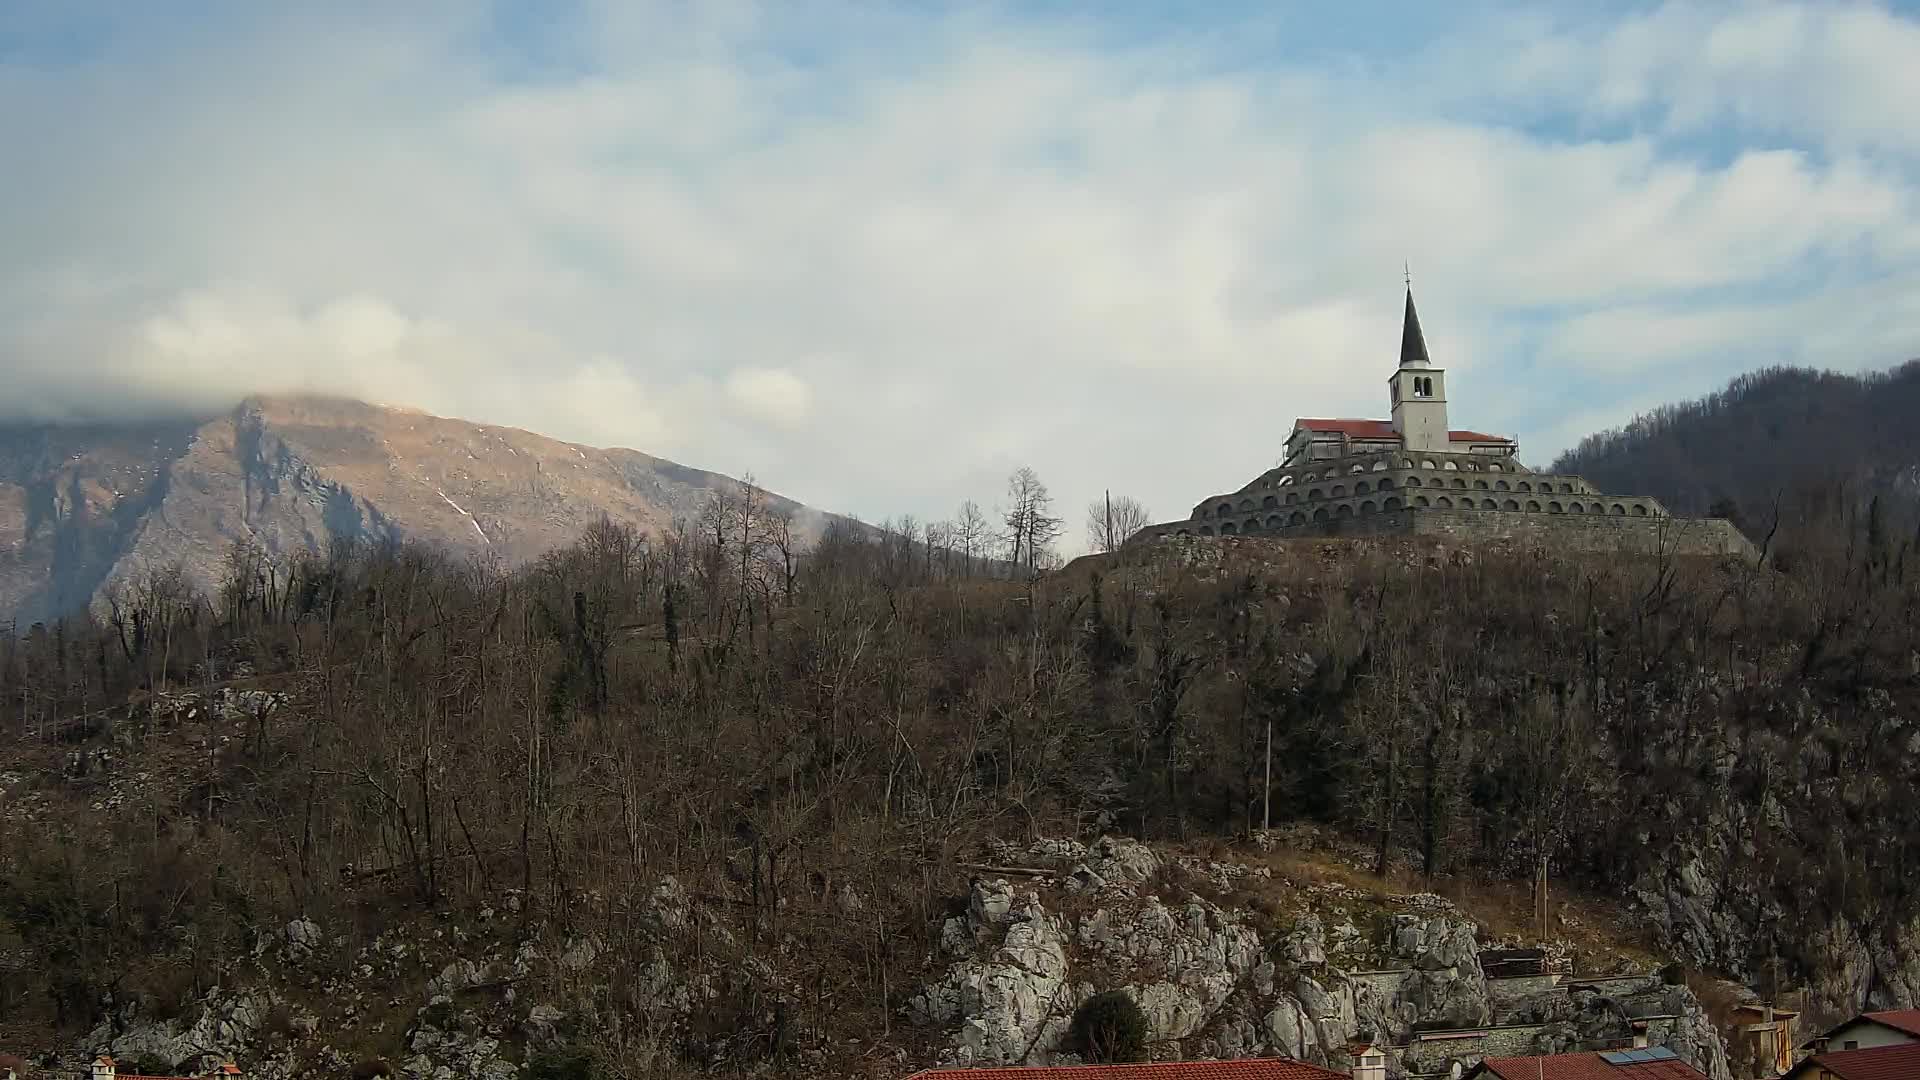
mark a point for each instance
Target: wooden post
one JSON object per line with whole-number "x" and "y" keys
{"x": 1540, "y": 895}
{"x": 1266, "y": 797}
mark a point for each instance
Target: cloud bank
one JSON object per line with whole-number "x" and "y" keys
{"x": 878, "y": 257}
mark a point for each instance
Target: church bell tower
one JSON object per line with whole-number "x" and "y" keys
{"x": 1419, "y": 391}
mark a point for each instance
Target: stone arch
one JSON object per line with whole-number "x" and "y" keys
{"x": 1252, "y": 526}
{"x": 1565, "y": 488}
{"x": 1639, "y": 509}
{"x": 1274, "y": 521}
{"x": 1392, "y": 504}
{"x": 1343, "y": 510}
{"x": 1298, "y": 518}
{"x": 1269, "y": 502}
{"x": 1291, "y": 498}
{"x": 1320, "y": 514}
{"x": 1361, "y": 488}
{"x": 1406, "y": 463}
{"x": 1443, "y": 503}
{"x": 1380, "y": 466}
{"x": 1473, "y": 466}
{"x": 1357, "y": 468}
{"x": 1510, "y": 504}
{"x": 1555, "y": 508}
{"x": 1459, "y": 482}
{"x": 1533, "y": 506}
{"x": 1449, "y": 466}
{"x": 1420, "y": 500}
{"x": 1577, "y": 508}
{"x": 1339, "y": 490}
{"x": 1494, "y": 467}
{"x": 1385, "y": 484}
{"x": 1619, "y": 510}
{"x": 1368, "y": 507}
{"x": 1246, "y": 504}
{"x": 1228, "y": 528}
{"x": 1489, "y": 504}
{"x": 1500, "y": 485}
{"x": 1522, "y": 485}
{"x": 1480, "y": 484}
{"x": 1285, "y": 480}
{"x": 1413, "y": 481}
{"x": 1224, "y": 508}
{"x": 1427, "y": 463}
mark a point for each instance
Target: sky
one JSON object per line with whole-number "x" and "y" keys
{"x": 880, "y": 254}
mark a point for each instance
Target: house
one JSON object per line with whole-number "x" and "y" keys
{"x": 1895, "y": 1027}
{"x": 105, "y": 1068}
{"x": 1897, "y": 1061}
{"x": 1649, "y": 1063}
{"x": 1764, "y": 1035}
{"x": 1243, "y": 1069}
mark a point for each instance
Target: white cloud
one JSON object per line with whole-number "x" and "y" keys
{"x": 773, "y": 395}
{"x": 877, "y": 259}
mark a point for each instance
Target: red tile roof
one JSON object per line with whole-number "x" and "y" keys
{"x": 1586, "y": 1066}
{"x": 1383, "y": 429}
{"x": 1244, "y": 1069}
{"x": 1877, "y": 1063}
{"x": 1907, "y": 1020}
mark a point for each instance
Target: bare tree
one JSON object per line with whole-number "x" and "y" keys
{"x": 1031, "y": 526}
{"x": 1111, "y": 520}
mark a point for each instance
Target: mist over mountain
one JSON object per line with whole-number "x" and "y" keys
{"x": 85, "y": 507}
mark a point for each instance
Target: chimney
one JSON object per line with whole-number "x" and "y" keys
{"x": 102, "y": 1068}
{"x": 1369, "y": 1063}
{"x": 1640, "y": 1035}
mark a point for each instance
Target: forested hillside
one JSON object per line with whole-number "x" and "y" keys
{"x": 402, "y": 734}
{"x": 1775, "y": 437}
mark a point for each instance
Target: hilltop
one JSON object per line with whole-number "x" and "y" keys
{"x": 638, "y": 805}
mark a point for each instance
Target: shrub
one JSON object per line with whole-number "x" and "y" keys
{"x": 1109, "y": 1028}
{"x": 561, "y": 1065}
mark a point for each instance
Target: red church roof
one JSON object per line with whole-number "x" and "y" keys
{"x": 1244, "y": 1069}
{"x": 1383, "y": 429}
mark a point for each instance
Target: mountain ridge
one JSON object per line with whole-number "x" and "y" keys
{"x": 87, "y": 508}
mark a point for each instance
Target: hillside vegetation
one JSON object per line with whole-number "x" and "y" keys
{"x": 1729, "y": 746}
{"x": 1767, "y": 443}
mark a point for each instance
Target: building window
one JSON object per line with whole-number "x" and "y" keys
{"x": 1367, "y": 507}
{"x": 1227, "y": 528}
{"x": 1226, "y": 508}
{"x": 1269, "y": 502}
{"x": 1361, "y": 488}
{"x": 1534, "y": 506}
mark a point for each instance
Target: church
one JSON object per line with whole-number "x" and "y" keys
{"x": 1414, "y": 473}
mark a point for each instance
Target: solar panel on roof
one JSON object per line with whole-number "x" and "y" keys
{"x": 1637, "y": 1056}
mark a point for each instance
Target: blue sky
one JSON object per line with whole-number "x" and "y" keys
{"x": 879, "y": 254}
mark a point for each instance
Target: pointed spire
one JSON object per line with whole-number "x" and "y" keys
{"x": 1413, "y": 344}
